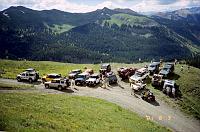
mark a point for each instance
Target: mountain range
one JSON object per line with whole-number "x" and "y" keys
{"x": 118, "y": 35}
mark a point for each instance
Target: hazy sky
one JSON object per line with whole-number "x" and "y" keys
{"x": 91, "y": 5}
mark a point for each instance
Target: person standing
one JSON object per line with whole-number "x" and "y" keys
{"x": 73, "y": 83}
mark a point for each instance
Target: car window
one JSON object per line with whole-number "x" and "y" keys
{"x": 53, "y": 81}
{"x": 23, "y": 74}
{"x": 62, "y": 82}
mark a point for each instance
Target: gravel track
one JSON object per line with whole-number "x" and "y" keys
{"x": 120, "y": 94}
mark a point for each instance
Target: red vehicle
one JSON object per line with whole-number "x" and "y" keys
{"x": 125, "y": 73}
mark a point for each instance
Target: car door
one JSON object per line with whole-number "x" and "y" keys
{"x": 53, "y": 83}
{"x": 26, "y": 77}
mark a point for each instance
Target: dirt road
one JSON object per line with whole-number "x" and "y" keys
{"x": 120, "y": 94}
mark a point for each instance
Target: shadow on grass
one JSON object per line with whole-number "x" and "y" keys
{"x": 68, "y": 90}
{"x": 155, "y": 103}
{"x": 34, "y": 83}
{"x": 174, "y": 76}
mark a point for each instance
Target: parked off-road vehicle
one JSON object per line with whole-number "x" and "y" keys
{"x": 139, "y": 75}
{"x": 105, "y": 68}
{"x": 93, "y": 80}
{"x": 125, "y": 73}
{"x": 169, "y": 87}
{"x": 112, "y": 78}
{"x": 157, "y": 80}
{"x": 50, "y": 77}
{"x": 137, "y": 86}
{"x": 81, "y": 78}
{"x": 74, "y": 73}
{"x": 167, "y": 69}
{"x": 28, "y": 75}
{"x": 59, "y": 83}
{"x": 154, "y": 68}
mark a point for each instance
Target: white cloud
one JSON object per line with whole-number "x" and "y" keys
{"x": 65, "y": 5}
{"x": 154, "y": 5}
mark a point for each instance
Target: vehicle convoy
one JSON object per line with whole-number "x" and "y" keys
{"x": 167, "y": 69}
{"x": 140, "y": 75}
{"x": 105, "y": 68}
{"x": 81, "y": 78}
{"x": 157, "y": 80}
{"x": 125, "y": 73}
{"x": 93, "y": 80}
{"x": 148, "y": 96}
{"x": 154, "y": 68}
{"x": 28, "y": 75}
{"x": 169, "y": 87}
{"x": 59, "y": 83}
{"x": 50, "y": 77}
{"x": 74, "y": 73}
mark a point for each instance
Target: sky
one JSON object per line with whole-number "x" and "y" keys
{"x": 91, "y": 5}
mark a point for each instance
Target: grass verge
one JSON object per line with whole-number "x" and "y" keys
{"x": 37, "y": 112}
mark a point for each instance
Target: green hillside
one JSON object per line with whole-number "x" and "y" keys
{"x": 131, "y": 20}
{"x": 102, "y": 35}
{"x": 39, "y": 112}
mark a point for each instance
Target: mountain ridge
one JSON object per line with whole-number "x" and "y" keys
{"x": 119, "y": 35}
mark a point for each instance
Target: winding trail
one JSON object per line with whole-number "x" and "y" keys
{"x": 120, "y": 94}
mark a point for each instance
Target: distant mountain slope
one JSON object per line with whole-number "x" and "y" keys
{"x": 120, "y": 35}
{"x": 184, "y": 21}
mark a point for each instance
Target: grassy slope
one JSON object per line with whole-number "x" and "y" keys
{"x": 36, "y": 112}
{"x": 121, "y": 18}
{"x": 12, "y": 68}
{"x": 61, "y": 28}
{"x": 15, "y": 86}
{"x": 189, "y": 85}
{"x": 188, "y": 81}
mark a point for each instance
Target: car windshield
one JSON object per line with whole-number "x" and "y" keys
{"x": 139, "y": 74}
{"x": 165, "y": 69}
{"x": 103, "y": 67}
{"x": 152, "y": 66}
{"x": 94, "y": 77}
{"x": 81, "y": 76}
{"x": 170, "y": 86}
{"x": 74, "y": 71}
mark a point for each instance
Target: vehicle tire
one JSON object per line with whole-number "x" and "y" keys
{"x": 30, "y": 80}
{"x": 19, "y": 79}
{"x": 60, "y": 88}
{"x": 46, "y": 86}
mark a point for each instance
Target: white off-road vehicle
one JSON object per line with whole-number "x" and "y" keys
{"x": 59, "y": 83}
{"x": 28, "y": 75}
{"x": 93, "y": 80}
{"x": 140, "y": 75}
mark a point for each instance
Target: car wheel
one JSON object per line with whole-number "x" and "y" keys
{"x": 30, "y": 80}
{"x": 60, "y": 88}
{"x": 46, "y": 86}
{"x": 19, "y": 79}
